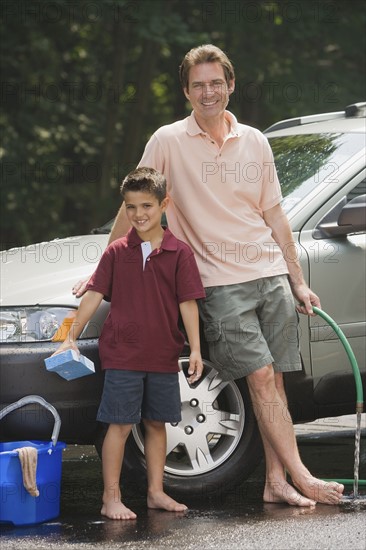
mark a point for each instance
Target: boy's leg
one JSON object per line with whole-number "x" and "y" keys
{"x": 120, "y": 409}
{"x": 155, "y": 453}
{"x": 112, "y": 459}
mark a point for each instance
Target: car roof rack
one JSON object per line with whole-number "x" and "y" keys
{"x": 356, "y": 109}
{"x": 353, "y": 110}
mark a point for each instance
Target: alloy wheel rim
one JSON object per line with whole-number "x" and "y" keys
{"x": 213, "y": 420}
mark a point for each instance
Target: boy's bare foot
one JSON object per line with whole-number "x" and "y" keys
{"x": 117, "y": 510}
{"x": 164, "y": 502}
{"x": 276, "y": 492}
{"x": 325, "y": 492}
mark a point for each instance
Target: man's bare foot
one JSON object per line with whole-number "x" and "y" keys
{"x": 117, "y": 510}
{"x": 325, "y": 492}
{"x": 275, "y": 492}
{"x": 164, "y": 502}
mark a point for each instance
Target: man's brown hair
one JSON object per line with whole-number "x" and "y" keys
{"x": 207, "y": 53}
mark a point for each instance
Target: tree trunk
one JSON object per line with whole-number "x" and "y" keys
{"x": 132, "y": 150}
{"x": 120, "y": 41}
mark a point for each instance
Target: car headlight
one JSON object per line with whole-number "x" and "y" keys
{"x": 35, "y": 324}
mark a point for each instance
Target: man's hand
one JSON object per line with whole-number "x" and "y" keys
{"x": 195, "y": 367}
{"x": 306, "y": 297}
{"x": 80, "y": 287}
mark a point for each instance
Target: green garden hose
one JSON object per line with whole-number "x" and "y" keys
{"x": 361, "y": 482}
{"x": 351, "y": 356}
{"x": 357, "y": 377}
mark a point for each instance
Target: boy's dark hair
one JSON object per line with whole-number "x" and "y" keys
{"x": 207, "y": 53}
{"x": 147, "y": 180}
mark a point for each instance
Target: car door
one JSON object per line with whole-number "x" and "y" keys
{"x": 337, "y": 275}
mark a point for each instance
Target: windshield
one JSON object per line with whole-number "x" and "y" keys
{"x": 303, "y": 161}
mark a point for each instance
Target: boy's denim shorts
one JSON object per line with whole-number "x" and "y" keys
{"x": 250, "y": 325}
{"x": 129, "y": 396}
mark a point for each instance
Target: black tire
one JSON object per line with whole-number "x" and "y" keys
{"x": 228, "y": 457}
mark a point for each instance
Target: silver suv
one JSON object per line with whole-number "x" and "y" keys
{"x": 321, "y": 164}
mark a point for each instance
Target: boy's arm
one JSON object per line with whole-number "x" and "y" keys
{"x": 88, "y": 306}
{"x": 190, "y": 316}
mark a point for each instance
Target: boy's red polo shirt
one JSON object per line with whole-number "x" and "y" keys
{"x": 141, "y": 331}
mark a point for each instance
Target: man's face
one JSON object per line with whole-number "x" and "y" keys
{"x": 207, "y": 90}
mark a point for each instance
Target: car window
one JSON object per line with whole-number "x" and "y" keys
{"x": 357, "y": 191}
{"x": 304, "y": 161}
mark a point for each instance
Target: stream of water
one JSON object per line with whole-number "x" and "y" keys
{"x": 357, "y": 455}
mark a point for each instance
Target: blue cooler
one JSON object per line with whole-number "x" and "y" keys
{"x": 17, "y": 505}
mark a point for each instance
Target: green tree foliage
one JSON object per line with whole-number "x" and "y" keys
{"x": 85, "y": 83}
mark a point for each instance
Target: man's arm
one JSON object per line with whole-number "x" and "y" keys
{"x": 121, "y": 225}
{"x": 120, "y": 228}
{"x": 277, "y": 220}
{"x": 190, "y": 316}
{"x": 154, "y": 158}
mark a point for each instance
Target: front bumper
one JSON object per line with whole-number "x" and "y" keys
{"x": 22, "y": 372}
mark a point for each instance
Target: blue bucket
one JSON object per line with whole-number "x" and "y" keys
{"x": 17, "y": 506}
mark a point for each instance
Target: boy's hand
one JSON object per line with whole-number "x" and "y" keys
{"x": 67, "y": 344}
{"x": 195, "y": 367}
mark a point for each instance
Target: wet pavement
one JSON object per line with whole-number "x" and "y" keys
{"x": 237, "y": 520}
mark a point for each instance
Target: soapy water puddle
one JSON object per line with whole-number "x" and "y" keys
{"x": 81, "y": 522}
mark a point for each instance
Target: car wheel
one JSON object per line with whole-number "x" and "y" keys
{"x": 216, "y": 444}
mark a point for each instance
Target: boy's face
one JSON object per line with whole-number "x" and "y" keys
{"x": 144, "y": 212}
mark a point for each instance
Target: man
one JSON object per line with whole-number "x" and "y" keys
{"x": 225, "y": 203}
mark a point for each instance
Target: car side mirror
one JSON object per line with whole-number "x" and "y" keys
{"x": 345, "y": 218}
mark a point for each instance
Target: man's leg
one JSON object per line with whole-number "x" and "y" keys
{"x": 112, "y": 458}
{"x": 280, "y": 446}
{"x": 155, "y": 453}
{"x": 276, "y": 488}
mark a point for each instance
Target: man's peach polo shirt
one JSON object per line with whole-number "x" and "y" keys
{"x": 217, "y": 198}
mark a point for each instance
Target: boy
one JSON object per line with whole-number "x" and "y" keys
{"x": 149, "y": 276}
